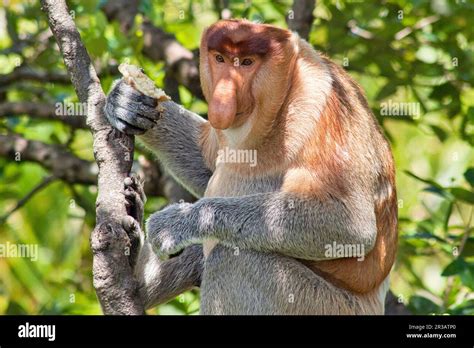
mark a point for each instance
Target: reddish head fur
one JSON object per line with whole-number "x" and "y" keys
{"x": 234, "y": 90}
{"x": 237, "y": 38}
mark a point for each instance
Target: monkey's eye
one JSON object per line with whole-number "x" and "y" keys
{"x": 219, "y": 58}
{"x": 247, "y": 62}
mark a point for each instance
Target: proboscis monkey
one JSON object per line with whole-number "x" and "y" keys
{"x": 272, "y": 232}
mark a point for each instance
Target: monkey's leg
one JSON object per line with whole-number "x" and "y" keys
{"x": 253, "y": 283}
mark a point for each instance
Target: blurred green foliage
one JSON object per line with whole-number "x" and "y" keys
{"x": 399, "y": 51}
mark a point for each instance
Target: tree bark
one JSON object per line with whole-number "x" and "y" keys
{"x": 115, "y": 285}
{"x": 60, "y": 162}
{"x": 41, "y": 110}
{"x": 393, "y": 307}
{"x": 300, "y": 18}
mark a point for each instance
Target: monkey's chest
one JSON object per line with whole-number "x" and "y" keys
{"x": 226, "y": 182}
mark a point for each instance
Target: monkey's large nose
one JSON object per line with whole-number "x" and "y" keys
{"x": 223, "y": 105}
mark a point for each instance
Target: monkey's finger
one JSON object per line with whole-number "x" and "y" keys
{"x": 134, "y": 204}
{"x": 137, "y": 184}
{"x": 124, "y": 89}
{"x": 131, "y": 226}
{"x": 128, "y": 128}
{"x": 113, "y": 116}
{"x": 135, "y": 106}
{"x": 133, "y": 196}
{"x": 132, "y": 117}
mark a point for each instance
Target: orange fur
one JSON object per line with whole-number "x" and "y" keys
{"x": 324, "y": 144}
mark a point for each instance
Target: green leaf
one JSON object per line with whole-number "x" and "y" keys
{"x": 455, "y": 267}
{"x": 465, "y": 271}
{"x": 96, "y": 45}
{"x": 437, "y": 191}
{"x": 422, "y": 305}
{"x": 449, "y": 211}
{"x": 424, "y": 235}
{"x": 387, "y": 90}
{"x": 463, "y": 194}
{"x": 440, "y": 133}
{"x": 426, "y": 181}
{"x": 465, "y": 308}
{"x": 467, "y": 276}
{"x": 466, "y": 126}
{"x": 469, "y": 176}
{"x": 468, "y": 247}
{"x": 427, "y": 54}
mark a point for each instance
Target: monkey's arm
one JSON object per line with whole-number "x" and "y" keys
{"x": 178, "y": 137}
{"x": 161, "y": 281}
{"x": 176, "y": 141}
{"x": 271, "y": 222}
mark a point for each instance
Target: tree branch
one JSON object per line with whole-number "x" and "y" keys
{"x": 393, "y": 307}
{"x": 69, "y": 168}
{"x": 27, "y": 73}
{"x": 61, "y": 163}
{"x": 115, "y": 285}
{"x": 41, "y": 110}
{"x": 300, "y": 18}
{"x": 418, "y": 25}
{"x": 159, "y": 45}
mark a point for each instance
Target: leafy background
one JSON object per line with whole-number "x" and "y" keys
{"x": 431, "y": 65}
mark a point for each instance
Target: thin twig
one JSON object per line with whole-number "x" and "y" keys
{"x": 418, "y": 25}
{"x": 45, "y": 182}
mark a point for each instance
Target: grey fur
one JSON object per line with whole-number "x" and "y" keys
{"x": 175, "y": 140}
{"x": 161, "y": 281}
{"x": 269, "y": 222}
{"x": 260, "y": 230}
{"x": 130, "y": 111}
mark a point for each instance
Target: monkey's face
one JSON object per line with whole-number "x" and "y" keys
{"x": 230, "y": 100}
{"x": 235, "y": 58}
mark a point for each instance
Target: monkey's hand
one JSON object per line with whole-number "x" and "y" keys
{"x": 129, "y": 110}
{"x": 134, "y": 201}
{"x": 173, "y": 229}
